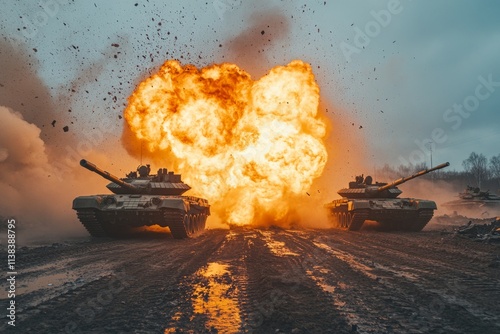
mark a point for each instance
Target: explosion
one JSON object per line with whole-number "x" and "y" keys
{"x": 249, "y": 147}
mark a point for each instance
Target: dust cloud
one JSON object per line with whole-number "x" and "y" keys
{"x": 23, "y": 90}
{"x": 34, "y": 193}
{"x": 39, "y": 170}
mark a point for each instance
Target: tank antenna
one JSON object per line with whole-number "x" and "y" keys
{"x": 141, "y": 152}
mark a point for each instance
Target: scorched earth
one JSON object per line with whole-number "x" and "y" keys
{"x": 261, "y": 281}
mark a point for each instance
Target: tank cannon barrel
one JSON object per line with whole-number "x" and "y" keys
{"x": 108, "y": 176}
{"x": 404, "y": 179}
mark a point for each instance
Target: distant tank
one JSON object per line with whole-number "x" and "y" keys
{"x": 366, "y": 201}
{"x": 473, "y": 201}
{"x": 142, "y": 199}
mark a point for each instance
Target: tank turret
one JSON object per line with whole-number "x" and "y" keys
{"x": 473, "y": 202}
{"x": 365, "y": 200}
{"x": 363, "y": 187}
{"x": 141, "y": 182}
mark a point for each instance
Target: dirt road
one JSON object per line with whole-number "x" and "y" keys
{"x": 261, "y": 281}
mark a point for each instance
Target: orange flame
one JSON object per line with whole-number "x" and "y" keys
{"x": 247, "y": 146}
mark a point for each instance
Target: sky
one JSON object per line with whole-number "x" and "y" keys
{"x": 396, "y": 68}
{"x": 396, "y": 77}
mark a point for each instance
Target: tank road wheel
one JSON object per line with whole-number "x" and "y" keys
{"x": 199, "y": 223}
{"x": 333, "y": 218}
{"x": 337, "y": 219}
{"x": 178, "y": 223}
{"x": 189, "y": 225}
{"x": 348, "y": 220}
{"x": 203, "y": 221}
{"x": 344, "y": 220}
{"x": 192, "y": 225}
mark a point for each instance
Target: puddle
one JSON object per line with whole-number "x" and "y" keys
{"x": 277, "y": 247}
{"x": 216, "y": 297}
{"x": 46, "y": 281}
{"x": 320, "y": 281}
{"x": 57, "y": 276}
{"x": 47, "y": 276}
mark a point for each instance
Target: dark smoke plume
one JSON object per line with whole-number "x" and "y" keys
{"x": 264, "y": 32}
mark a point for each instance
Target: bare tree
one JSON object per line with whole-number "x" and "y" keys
{"x": 477, "y": 166}
{"x": 495, "y": 167}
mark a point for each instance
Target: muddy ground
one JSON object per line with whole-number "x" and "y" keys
{"x": 261, "y": 281}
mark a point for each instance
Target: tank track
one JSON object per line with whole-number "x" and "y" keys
{"x": 351, "y": 221}
{"x": 181, "y": 225}
{"x": 424, "y": 216}
{"x": 414, "y": 224}
{"x": 184, "y": 225}
{"x": 90, "y": 221}
{"x": 357, "y": 220}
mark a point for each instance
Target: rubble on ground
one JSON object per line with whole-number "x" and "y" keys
{"x": 481, "y": 232}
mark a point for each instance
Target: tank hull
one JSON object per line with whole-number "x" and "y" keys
{"x": 115, "y": 214}
{"x": 398, "y": 214}
{"x": 474, "y": 207}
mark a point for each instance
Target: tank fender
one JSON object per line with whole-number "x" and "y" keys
{"x": 87, "y": 202}
{"x": 174, "y": 203}
{"x": 358, "y": 204}
{"x": 422, "y": 204}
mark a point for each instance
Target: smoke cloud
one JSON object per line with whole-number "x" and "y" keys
{"x": 22, "y": 90}
{"x": 33, "y": 194}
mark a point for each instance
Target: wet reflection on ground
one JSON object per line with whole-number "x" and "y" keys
{"x": 276, "y": 247}
{"x": 216, "y": 297}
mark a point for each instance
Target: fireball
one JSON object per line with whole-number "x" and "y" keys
{"x": 249, "y": 147}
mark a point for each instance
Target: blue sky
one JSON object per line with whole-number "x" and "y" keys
{"x": 410, "y": 69}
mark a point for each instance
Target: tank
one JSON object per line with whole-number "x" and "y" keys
{"x": 474, "y": 202}
{"x": 365, "y": 200}
{"x": 141, "y": 199}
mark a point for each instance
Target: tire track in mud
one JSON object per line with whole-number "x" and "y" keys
{"x": 283, "y": 297}
{"x": 407, "y": 302}
{"x": 265, "y": 281}
{"x": 209, "y": 298}
{"x": 262, "y": 285}
{"x": 458, "y": 282}
{"x": 136, "y": 295}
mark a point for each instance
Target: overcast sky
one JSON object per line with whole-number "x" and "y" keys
{"x": 402, "y": 72}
